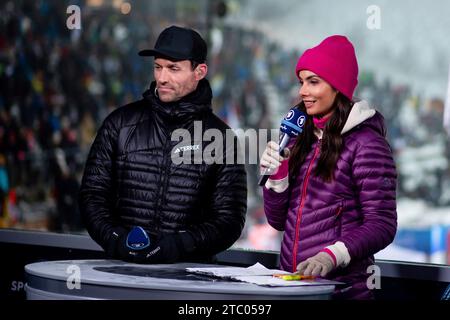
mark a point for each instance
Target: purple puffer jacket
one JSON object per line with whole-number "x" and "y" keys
{"x": 358, "y": 207}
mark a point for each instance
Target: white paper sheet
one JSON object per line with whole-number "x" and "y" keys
{"x": 258, "y": 274}
{"x": 255, "y": 270}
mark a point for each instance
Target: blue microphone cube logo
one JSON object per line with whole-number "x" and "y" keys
{"x": 293, "y": 123}
{"x": 289, "y": 115}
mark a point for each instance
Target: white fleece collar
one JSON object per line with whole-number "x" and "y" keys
{"x": 360, "y": 112}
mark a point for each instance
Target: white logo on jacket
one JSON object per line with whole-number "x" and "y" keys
{"x": 187, "y": 148}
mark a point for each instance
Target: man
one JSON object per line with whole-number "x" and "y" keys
{"x": 189, "y": 211}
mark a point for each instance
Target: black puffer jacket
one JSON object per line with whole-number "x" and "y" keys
{"x": 130, "y": 178}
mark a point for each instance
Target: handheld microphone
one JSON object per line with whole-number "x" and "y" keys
{"x": 137, "y": 239}
{"x": 291, "y": 126}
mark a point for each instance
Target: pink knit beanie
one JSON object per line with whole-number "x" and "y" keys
{"x": 333, "y": 60}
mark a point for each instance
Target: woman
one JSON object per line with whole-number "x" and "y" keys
{"x": 335, "y": 197}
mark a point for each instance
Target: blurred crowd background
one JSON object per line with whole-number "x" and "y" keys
{"x": 57, "y": 85}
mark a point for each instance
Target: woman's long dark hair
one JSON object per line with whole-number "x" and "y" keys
{"x": 332, "y": 141}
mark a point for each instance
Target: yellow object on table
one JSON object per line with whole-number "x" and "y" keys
{"x": 290, "y": 277}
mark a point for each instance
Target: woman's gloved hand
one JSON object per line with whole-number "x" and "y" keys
{"x": 322, "y": 263}
{"x": 277, "y": 165}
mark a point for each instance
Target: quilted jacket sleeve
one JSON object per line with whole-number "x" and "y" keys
{"x": 226, "y": 210}
{"x": 276, "y": 207}
{"x": 375, "y": 179}
{"x": 97, "y": 195}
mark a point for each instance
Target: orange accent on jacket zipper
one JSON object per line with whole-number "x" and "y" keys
{"x": 300, "y": 209}
{"x": 338, "y": 213}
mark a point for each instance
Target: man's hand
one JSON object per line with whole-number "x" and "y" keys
{"x": 322, "y": 263}
{"x": 170, "y": 248}
{"x": 167, "y": 248}
{"x": 126, "y": 253}
{"x": 118, "y": 247}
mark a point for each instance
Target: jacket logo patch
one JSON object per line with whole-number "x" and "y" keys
{"x": 187, "y": 148}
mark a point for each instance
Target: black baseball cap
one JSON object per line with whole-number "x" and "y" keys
{"x": 179, "y": 43}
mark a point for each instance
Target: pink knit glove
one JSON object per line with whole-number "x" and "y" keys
{"x": 282, "y": 171}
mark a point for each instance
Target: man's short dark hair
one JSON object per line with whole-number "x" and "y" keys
{"x": 194, "y": 64}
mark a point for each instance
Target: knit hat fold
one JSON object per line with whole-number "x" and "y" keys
{"x": 334, "y": 60}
